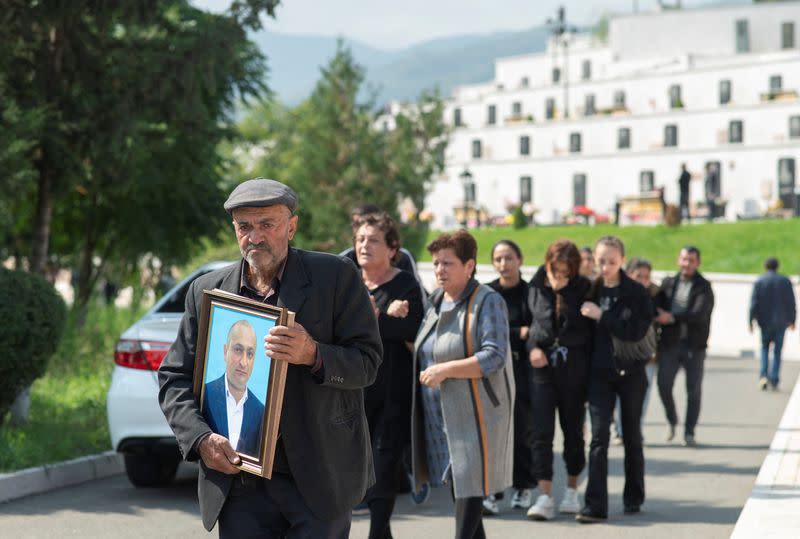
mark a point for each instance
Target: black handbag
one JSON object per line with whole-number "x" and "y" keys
{"x": 636, "y": 351}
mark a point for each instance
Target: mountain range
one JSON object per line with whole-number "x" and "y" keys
{"x": 295, "y": 60}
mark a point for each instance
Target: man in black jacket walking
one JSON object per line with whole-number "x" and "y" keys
{"x": 684, "y": 305}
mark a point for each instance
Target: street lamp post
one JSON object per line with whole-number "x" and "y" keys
{"x": 466, "y": 183}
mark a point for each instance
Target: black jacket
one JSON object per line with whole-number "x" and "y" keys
{"x": 323, "y": 425}
{"x": 697, "y": 316}
{"x": 573, "y": 329}
{"x": 628, "y": 320}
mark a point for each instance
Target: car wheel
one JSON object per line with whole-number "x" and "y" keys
{"x": 150, "y": 470}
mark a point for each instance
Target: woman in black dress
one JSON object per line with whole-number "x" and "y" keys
{"x": 397, "y": 301}
{"x": 507, "y": 260}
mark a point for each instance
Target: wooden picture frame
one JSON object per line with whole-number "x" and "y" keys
{"x": 232, "y": 372}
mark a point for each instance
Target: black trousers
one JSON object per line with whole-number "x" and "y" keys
{"x": 603, "y": 391}
{"x": 561, "y": 387}
{"x": 670, "y": 359}
{"x": 524, "y": 472}
{"x": 273, "y": 508}
{"x": 469, "y": 519}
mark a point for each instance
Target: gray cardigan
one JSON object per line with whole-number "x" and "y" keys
{"x": 478, "y": 413}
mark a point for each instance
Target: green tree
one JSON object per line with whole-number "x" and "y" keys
{"x": 329, "y": 149}
{"x": 134, "y": 98}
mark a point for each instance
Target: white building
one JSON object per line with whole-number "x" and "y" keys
{"x": 713, "y": 85}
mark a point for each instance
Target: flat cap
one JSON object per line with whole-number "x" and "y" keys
{"x": 260, "y": 192}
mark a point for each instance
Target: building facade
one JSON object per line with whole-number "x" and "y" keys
{"x": 586, "y": 124}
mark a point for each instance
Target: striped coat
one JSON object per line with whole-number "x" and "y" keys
{"x": 477, "y": 413}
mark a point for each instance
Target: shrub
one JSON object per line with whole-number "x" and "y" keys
{"x": 520, "y": 219}
{"x": 33, "y": 316}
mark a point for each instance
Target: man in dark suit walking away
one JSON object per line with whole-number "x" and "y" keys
{"x": 772, "y": 305}
{"x": 230, "y": 408}
{"x": 323, "y": 464}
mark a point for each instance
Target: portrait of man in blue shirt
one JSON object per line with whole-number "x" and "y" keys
{"x": 229, "y": 406}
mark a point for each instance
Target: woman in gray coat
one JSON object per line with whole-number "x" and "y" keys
{"x": 462, "y": 427}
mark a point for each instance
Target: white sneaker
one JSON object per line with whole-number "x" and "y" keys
{"x": 521, "y": 499}
{"x": 570, "y": 502}
{"x": 490, "y": 507}
{"x": 543, "y": 509}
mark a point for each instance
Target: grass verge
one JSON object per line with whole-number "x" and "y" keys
{"x": 68, "y": 404}
{"x": 739, "y": 247}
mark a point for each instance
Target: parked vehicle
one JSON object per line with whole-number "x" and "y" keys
{"x": 138, "y": 428}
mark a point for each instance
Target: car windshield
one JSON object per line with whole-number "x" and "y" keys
{"x": 176, "y": 300}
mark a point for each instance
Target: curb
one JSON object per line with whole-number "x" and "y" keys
{"x": 62, "y": 474}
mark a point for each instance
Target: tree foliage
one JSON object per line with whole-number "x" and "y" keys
{"x": 124, "y": 103}
{"x": 330, "y": 150}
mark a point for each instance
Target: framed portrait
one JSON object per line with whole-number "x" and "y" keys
{"x": 238, "y": 386}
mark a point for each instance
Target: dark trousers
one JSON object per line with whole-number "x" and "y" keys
{"x": 561, "y": 387}
{"x": 684, "y": 205}
{"x": 774, "y": 336}
{"x": 469, "y": 519}
{"x": 274, "y": 508}
{"x": 670, "y": 359}
{"x": 524, "y": 475}
{"x": 603, "y": 391}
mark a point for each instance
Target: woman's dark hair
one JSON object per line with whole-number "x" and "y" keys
{"x": 385, "y": 224}
{"x": 636, "y": 263}
{"x": 461, "y": 242}
{"x": 611, "y": 241}
{"x": 588, "y": 250}
{"x": 510, "y": 244}
{"x": 565, "y": 252}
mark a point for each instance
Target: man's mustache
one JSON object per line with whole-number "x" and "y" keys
{"x": 258, "y": 247}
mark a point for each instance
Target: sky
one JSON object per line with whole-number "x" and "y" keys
{"x": 396, "y": 25}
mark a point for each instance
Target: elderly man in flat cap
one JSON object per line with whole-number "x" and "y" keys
{"x": 323, "y": 462}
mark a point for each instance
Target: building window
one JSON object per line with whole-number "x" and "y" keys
{"x": 735, "y": 131}
{"x": 794, "y": 127}
{"x": 556, "y": 75}
{"x": 787, "y": 35}
{"x": 524, "y": 82}
{"x": 619, "y": 99}
{"x": 675, "y": 101}
{"x": 647, "y": 181}
{"x": 385, "y": 126}
{"x": 491, "y": 115}
{"x": 586, "y": 70}
{"x": 775, "y": 83}
{"x": 525, "y": 189}
{"x": 579, "y": 190}
{"x": 724, "y": 92}
{"x": 574, "y": 142}
{"x": 588, "y": 107}
{"x": 671, "y": 135}
{"x": 786, "y": 182}
{"x": 742, "y": 36}
{"x": 623, "y": 138}
{"x": 470, "y": 192}
{"x": 516, "y": 109}
{"x": 457, "y": 117}
{"x": 550, "y": 108}
{"x": 525, "y": 145}
{"x": 476, "y": 149}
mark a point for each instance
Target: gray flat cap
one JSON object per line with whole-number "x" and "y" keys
{"x": 260, "y": 192}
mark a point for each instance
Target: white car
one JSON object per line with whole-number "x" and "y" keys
{"x": 138, "y": 428}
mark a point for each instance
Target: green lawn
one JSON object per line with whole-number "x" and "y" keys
{"x": 68, "y": 404}
{"x": 726, "y": 247}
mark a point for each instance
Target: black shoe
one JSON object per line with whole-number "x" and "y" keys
{"x": 587, "y": 516}
{"x": 632, "y": 509}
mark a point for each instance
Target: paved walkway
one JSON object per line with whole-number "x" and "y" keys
{"x": 690, "y": 492}
{"x": 773, "y": 509}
